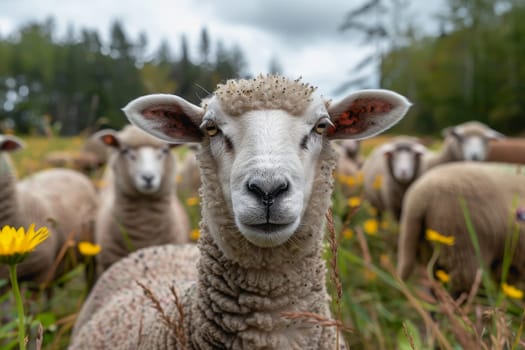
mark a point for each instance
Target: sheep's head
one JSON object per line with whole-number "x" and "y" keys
{"x": 471, "y": 140}
{"x": 266, "y": 136}
{"x": 403, "y": 159}
{"x": 141, "y": 164}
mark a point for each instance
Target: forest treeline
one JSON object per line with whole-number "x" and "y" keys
{"x": 474, "y": 69}
{"x": 80, "y": 82}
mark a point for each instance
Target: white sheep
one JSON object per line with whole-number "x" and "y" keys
{"x": 61, "y": 199}
{"x": 389, "y": 171}
{"x": 266, "y": 170}
{"x": 468, "y": 141}
{"x": 492, "y": 193}
{"x": 138, "y": 207}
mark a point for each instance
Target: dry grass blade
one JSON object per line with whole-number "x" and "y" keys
{"x": 316, "y": 319}
{"x": 409, "y": 336}
{"x": 464, "y": 331}
{"x": 413, "y": 301}
{"x": 176, "y": 325}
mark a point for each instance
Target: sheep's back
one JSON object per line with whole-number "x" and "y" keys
{"x": 118, "y": 298}
{"x": 490, "y": 192}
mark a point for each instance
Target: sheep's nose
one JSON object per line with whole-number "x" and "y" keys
{"x": 267, "y": 192}
{"x": 148, "y": 178}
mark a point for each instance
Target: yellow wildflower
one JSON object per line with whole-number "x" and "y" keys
{"x": 16, "y": 244}
{"x": 442, "y": 276}
{"x": 435, "y": 236}
{"x": 371, "y": 226}
{"x": 192, "y": 201}
{"x": 511, "y": 291}
{"x": 350, "y": 181}
{"x": 354, "y": 202}
{"x": 378, "y": 182}
{"x": 88, "y": 249}
{"x": 178, "y": 179}
{"x": 195, "y": 234}
{"x": 348, "y": 233}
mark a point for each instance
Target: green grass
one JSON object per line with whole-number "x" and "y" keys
{"x": 382, "y": 311}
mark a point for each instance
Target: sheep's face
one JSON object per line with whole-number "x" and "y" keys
{"x": 267, "y": 161}
{"x": 145, "y": 167}
{"x": 266, "y": 137}
{"x": 472, "y": 141}
{"x": 403, "y": 161}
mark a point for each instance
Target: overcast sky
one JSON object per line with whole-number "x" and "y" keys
{"x": 302, "y": 34}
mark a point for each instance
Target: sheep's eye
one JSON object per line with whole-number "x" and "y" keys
{"x": 321, "y": 126}
{"x": 211, "y": 128}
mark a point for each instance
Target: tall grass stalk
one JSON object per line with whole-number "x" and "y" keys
{"x": 19, "y": 306}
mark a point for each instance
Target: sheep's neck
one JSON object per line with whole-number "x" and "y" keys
{"x": 9, "y": 203}
{"x": 443, "y": 155}
{"x": 245, "y": 308}
{"x": 244, "y": 293}
{"x": 129, "y": 213}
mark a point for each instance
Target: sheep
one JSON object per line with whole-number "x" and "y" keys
{"x": 266, "y": 170}
{"x": 138, "y": 207}
{"x": 389, "y": 171}
{"x": 467, "y": 141}
{"x": 348, "y": 166}
{"x": 60, "y": 199}
{"x": 492, "y": 193}
{"x": 72, "y": 201}
{"x": 507, "y": 150}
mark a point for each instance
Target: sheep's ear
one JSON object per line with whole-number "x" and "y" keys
{"x": 108, "y": 137}
{"x": 366, "y": 113}
{"x": 10, "y": 143}
{"x": 419, "y": 149}
{"x": 492, "y": 134}
{"x": 450, "y": 131}
{"x": 168, "y": 117}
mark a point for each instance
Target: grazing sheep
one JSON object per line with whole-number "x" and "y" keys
{"x": 491, "y": 192}
{"x": 389, "y": 171}
{"x": 266, "y": 169}
{"x": 21, "y": 207}
{"x": 72, "y": 201}
{"x": 138, "y": 207}
{"x": 467, "y": 141}
{"x": 507, "y": 150}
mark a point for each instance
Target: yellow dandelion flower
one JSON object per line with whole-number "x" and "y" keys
{"x": 192, "y": 201}
{"x": 354, "y": 202}
{"x": 15, "y": 244}
{"x": 511, "y": 291}
{"x": 371, "y": 226}
{"x": 378, "y": 182}
{"x": 442, "y": 276}
{"x": 350, "y": 181}
{"x": 348, "y": 233}
{"x": 88, "y": 249}
{"x": 435, "y": 236}
{"x": 195, "y": 234}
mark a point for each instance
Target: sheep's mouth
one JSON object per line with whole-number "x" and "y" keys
{"x": 269, "y": 227}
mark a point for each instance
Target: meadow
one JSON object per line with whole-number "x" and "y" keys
{"x": 373, "y": 307}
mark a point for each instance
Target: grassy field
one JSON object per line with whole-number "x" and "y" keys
{"x": 375, "y": 309}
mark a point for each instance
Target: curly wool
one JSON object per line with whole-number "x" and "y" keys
{"x": 237, "y": 97}
{"x": 240, "y": 293}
